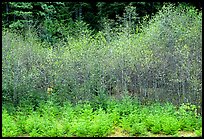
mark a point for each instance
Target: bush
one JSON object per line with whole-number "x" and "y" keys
{"x": 164, "y": 58}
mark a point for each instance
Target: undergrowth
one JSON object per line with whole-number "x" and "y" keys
{"x": 79, "y": 120}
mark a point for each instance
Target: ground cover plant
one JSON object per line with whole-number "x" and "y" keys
{"x": 78, "y": 120}
{"x": 137, "y": 80}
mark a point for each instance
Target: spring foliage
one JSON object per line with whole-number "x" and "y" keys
{"x": 87, "y": 84}
{"x": 82, "y": 120}
{"x": 162, "y": 62}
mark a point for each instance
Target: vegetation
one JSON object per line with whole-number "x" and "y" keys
{"x": 139, "y": 78}
{"x": 70, "y": 120}
{"x": 52, "y": 19}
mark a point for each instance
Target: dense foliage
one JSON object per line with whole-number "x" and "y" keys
{"x": 48, "y": 17}
{"x": 164, "y": 58}
{"x": 82, "y": 120}
{"x": 155, "y": 59}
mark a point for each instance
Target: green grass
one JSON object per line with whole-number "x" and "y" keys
{"x": 79, "y": 120}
